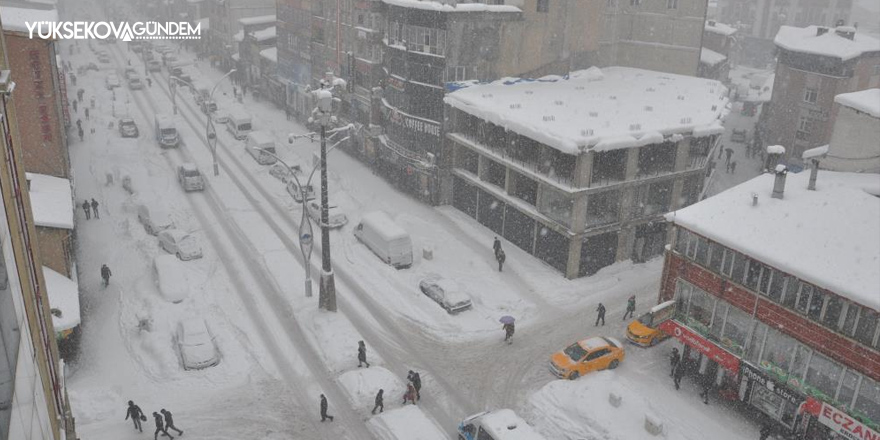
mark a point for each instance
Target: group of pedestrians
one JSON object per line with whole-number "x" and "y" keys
{"x": 630, "y": 310}
{"x": 90, "y": 208}
{"x": 163, "y": 419}
{"x": 678, "y": 370}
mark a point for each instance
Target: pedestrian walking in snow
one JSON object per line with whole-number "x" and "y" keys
{"x": 95, "y": 208}
{"x": 169, "y": 421}
{"x": 600, "y": 315}
{"x": 674, "y": 359}
{"x": 733, "y": 167}
{"x": 362, "y": 354}
{"x": 149, "y": 83}
{"x": 630, "y": 307}
{"x": 410, "y": 394}
{"x": 500, "y": 257}
{"x": 416, "y": 380}
{"x": 380, "y": 402}
{"x": 79, "y": 95}
{"x": 105, "y": 274}
{"x": 707, "y": 384}
{"x": 287, "y": 112}
{"x": 677, "y": 374}
{"x": 137, "y": 416}
{"x": 508, "y": 332}
{"x": 79, "y": 124}
{"x": 324, "y": 415}
{"x": 720, "y": 150}
{"x": 496, "y": 246}
{"x": 80, "y": 131}
{"x": 160, "y": 427}
{"x": 87, "y": 114}
{"x": 74, "y": 106}
{"x": 85, "y": 206}
{"x": 243, "y": 90}
{"x": 729, "y": 152}
{"x": 766, "y": 430}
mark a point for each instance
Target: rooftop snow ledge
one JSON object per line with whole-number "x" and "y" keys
{"x": 805, "y": 40}
{"x": 865, "y": 101}
{"x": 460, "y": 7}
{"x": 815, "y": 152}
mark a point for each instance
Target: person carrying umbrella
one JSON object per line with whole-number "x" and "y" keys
{"x": 508, "y": 328}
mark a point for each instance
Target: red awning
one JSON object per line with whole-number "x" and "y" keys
{"x": 694, "y": 340}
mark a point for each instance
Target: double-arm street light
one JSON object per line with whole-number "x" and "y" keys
{"x": 210, "y": 131}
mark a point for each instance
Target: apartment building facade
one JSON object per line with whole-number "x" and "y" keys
{"x": 853, "y": 146}
{"x": 786, "y": 325}
{"x": 223, "y": 18}
{"x": 718, "y": 43}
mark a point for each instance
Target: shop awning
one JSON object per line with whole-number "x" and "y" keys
{"x": 63, "y": 300}
{"x": 692, "y": 339}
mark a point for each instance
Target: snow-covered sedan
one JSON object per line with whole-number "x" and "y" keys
{"x": 334, "y": 219}
{"x": 445, "y": 292}
{"x": 297, "y": 193}
{"x": 177, "y": 242}
{"x": 128, "y": 128}
{"x": 196, "y": 344}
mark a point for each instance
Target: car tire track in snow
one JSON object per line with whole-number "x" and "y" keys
{"x": 211, "y": 203}
{"x": 377, "y": 341}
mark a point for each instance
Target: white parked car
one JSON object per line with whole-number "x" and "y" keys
{"x": 294, "y": 190}
{"x": 183, "y": 245}
{"x": 334, "y": 219}
{"x": 154, "y": 219}
{"x": 445, "y": 292}
{"x": 111, "y": 81}
{"x": 196, "y": 344}
{"x": 171, "y": 277}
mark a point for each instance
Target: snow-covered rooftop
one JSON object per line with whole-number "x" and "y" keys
{"x": 262, "y": 19}
{"x": 270, "y": 54}
{"x": 453, "y": 7}
{"x": 14, "y": 18}
{"x": 611, "y": 108}
{"x": 63, "y": 296}
{"x": 866, "y": 101}
{"x": 719, "y": 28}
{"x": 829, "y": 237}
{"x": 829, "y": 44}
{"x": 204, "y": 23}
{"x": 760, "y": 88}
{"x": 710, "y": 57}
{"x": 238, "y": 36}
{"x": 51, "y": 201}
{"x": 264, "y": 34}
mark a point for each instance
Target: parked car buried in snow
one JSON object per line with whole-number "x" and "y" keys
{"x": 334, "y": 219}
{"x": 592, "y": 354}
{"x": 445, "y": 292}
{"x": 183, "y": 245}
{"x": 171, "y": 277}
{"x": 739, "y": 136}
{"x": 111, "y": 81}
{"x": 190, "y": 177}
{"x": 500, "y": 424}
{"x": 154, "y": 219}
{"x": 196, "y": 344}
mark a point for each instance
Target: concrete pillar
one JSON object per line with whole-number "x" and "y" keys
{"x": 583, "y": 170}
{"x": 509, "y": 185}
{"x": 574, "y": 257}
{"x": 579, "y": 214}
{"x": 481, "y": 166}
{"x": 632, "y": 163}
{"x": 624, "y": 243}
{"x": 682, "y": 154}
{"x": 677, "y": 188}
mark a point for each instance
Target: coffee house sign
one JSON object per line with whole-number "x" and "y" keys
{"x": 414, "y": 124}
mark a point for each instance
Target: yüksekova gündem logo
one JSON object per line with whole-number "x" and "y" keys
{"x": 102, "y": 30}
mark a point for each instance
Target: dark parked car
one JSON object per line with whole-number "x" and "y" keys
{"x": 127, "y": 128}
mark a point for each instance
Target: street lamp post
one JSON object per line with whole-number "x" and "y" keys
{"x": 210, "y": 131}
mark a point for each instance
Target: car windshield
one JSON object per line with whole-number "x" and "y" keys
{"x": 190, "y": 173}
{"x": 647, "y": 319}
{"x": 245, "y": 126}
{"x": 168, "y": 132}
{"x": 575, "y": 352}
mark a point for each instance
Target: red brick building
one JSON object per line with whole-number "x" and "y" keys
{"x": 783, "y": 294}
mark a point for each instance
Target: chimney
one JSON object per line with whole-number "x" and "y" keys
{"x": 754, "y": 199}
{"x": 814, "y": 172}
{"x": 847, "y": 32}
{"x": 820, "y": 30}
{"x": 779, "y": 183}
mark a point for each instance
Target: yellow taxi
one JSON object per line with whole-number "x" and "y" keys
{"x": 645, "y": 330}
{"x": 593, "y": 354}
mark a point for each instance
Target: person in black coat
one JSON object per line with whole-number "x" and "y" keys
{"x": 95, "y": 208}
{"x": 135, "y": 413}
{"x": 766, "y": 430}
{"x": 105, "y": 274}
{"x": 707, "y": 384}
{"x": 324, "y": 415}
{"x": 677, "y": 374}
{"x": 601, "y": 314}
{"x": 160, "y": 427}
{"x": 501, "y": 258}
{"x": 674, "y": 359}
{"x": 362, "y": 354}
{"x": 496, "y": 246}
{"x": 380, "y": 402}
{"x": 417, "y": 384}
{"x": 85, "y": 206}
{"x": 169, "y": 421}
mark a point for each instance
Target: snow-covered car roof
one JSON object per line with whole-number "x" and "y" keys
{"x": 593, "y": 343}
{"x": 172, "y": 278}
{"x": 189, "y": 166}
{"x": 504, "y": 424}
{"x": 175, "y": 234}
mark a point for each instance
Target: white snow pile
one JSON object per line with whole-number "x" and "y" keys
{"x": 865, "y": 101}
{"x": 710, "y": 57}
{"x": 238, "y": 36}
{"x": 63, "y": 297}
{"x": 362, "y": 384}
{"x": 51, "y": 201}
{"x": 260, "y": 19}
{"x": 775, "y": 149}
{"x": 264, "y": 34}
{"x": 14, "y": 19}
{"x": 408, "y": 423}
{"x": 270, "y": 54}
{"x": 719, "y": 28}
{"x": 829, "y": 44}
{"x": 829, "y": 237}
{"x": 611, "y": 108}
{"x": 451, "y": 6}
{"x": 815, "y": 152}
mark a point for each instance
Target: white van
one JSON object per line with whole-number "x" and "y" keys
{"x": 239, "y": 122}
{"x": 501, "y": 424}
{"x": 154, "y": 219}
{"x": 261, "y": 140}
{"x": 166, "y": 132}
{"x": 386, "y": 239}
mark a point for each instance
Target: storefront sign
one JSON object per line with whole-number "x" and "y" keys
{"x": 414, "y": 124}
{"x": 840, "y": 422}
{"x": 777, "y": 388}
{"x": 700, "y": 344}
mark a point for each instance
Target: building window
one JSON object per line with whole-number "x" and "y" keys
{"x": 824, "y": 375}
{"x": 805, "y": 127}
{"x": 866, "y": 327}
{"x": 635, "y": 2}
{"x": 603, "y": 208}
{"x": 868, "y": 401}
{"x": 556, "y": 205}
{"x": 803, "y": 301}
{"x": 831, "y": 317}
{"x": 671, "y": 4}
{"x": 543, "y": 5}
{"x": 810, "y": 95}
